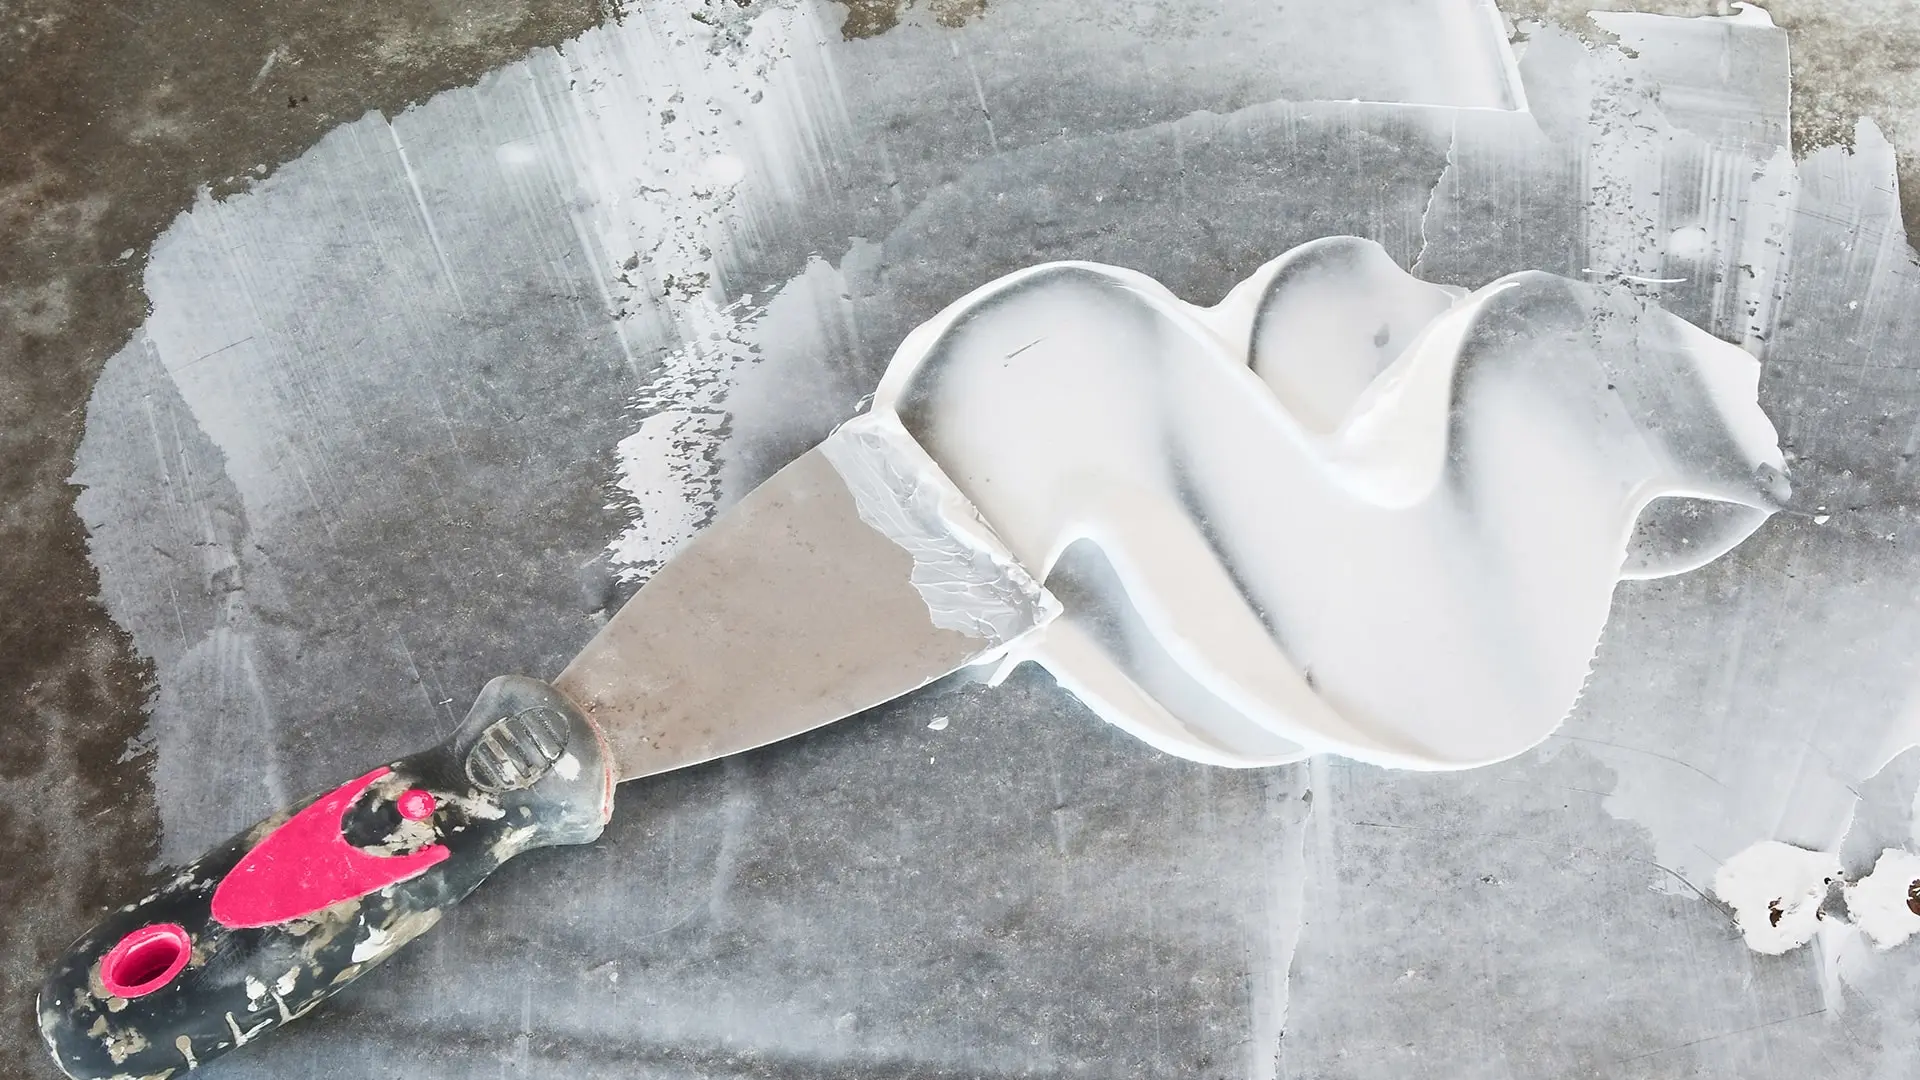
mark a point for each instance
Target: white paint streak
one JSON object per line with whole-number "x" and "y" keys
{"x": 1275, "y": 934}
{"x": 979, "y": 91}
{"x": 1837, "y": 945}
{"x": 376, "y": 944}
{"x": 426, "y": 218}
{"x": 241, "y": 1035}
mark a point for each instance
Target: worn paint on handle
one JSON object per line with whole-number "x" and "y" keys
{"x": 268, "y": 925}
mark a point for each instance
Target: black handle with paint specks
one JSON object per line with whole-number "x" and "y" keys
{"x": 269, "y": 924}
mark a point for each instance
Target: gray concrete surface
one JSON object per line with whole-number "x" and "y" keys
{"x": 1035, "y": 895}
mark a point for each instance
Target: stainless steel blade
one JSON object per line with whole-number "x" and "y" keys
{"x": 854, "y": 575}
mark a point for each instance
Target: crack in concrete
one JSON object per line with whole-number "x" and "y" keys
{"x": 1433, "y": 196}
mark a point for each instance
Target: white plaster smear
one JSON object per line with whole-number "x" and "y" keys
{"x": 1747, "y": 763}
{"x": 1715, "y": 88}
{"x": 338, "y": 307}
{"x": 685, "y": 146}
{"x": 1681, "y": 81}
{"x": 1342, "y": 511}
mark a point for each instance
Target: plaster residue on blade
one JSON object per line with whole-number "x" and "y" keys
{"x": 969, "y": 581}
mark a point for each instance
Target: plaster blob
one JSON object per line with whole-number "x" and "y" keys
{"x": 1344, "y": 510}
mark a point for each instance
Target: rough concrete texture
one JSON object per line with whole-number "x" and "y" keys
{"x": 117, "y": 113}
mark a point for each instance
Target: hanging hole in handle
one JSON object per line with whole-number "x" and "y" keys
{"x": 145, "y": 960}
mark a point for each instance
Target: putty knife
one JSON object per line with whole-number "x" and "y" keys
{"x": 854, "y": 575}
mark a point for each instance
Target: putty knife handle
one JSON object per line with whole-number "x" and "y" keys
{"x": 279, "y": 918}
